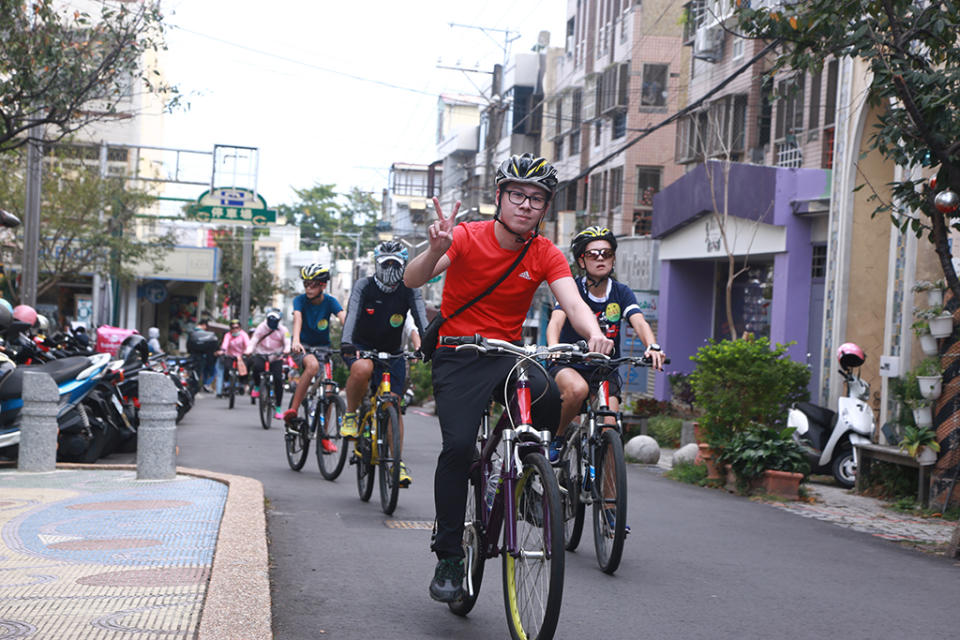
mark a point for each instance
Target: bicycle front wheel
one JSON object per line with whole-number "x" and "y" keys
{"x": 388, "y": 451}
{"x": 267, "y": 401}
{"x": 331, "y": 463}
{"x": 296, "y": 437}
{"x": 568, "y": 476}
{"x": 364, "y": 455}
{"x": 533, "y": 572}
{"x": 609, "y": 501}
{"x": 472, "y": 542}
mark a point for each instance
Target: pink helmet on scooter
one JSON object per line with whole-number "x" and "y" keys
{"x": 850, "y": 355}
{"x": 25, "y": 313}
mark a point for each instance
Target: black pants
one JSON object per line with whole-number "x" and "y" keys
{"x": 258, "y": 363}
{"x": 463, "y": 384}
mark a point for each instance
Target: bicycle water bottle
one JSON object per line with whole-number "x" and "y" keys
{"x": 493, "y": 486}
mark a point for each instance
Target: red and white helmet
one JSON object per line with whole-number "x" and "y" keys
{"x": 850, "y": 355}
{"x": 25, "y": 313}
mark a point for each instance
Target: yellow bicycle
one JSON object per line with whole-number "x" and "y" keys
{"x": 380, "y": 441}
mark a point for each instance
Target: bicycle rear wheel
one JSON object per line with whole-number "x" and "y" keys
{"x": 388, "y": 450}
{"x": 296, "y": 437}
{"x": 231, "y": 392}
{"x": 533, "y": 573}
{"x": 331, "y": 464}
{"x": 472, "y": 543}
{"x": 609, "y": 501}
{"x": 267, "y": 400}
{"x": 568, "y": 477}
{"x": 363, "y": 452}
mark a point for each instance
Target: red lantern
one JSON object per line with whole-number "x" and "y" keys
{"x": 947, "y": 202}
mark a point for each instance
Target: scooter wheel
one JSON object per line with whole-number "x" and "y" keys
{"x": 844, "y": 468}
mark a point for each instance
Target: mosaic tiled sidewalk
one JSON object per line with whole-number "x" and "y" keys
{"x": 95, "y": 554}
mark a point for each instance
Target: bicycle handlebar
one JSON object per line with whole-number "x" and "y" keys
{"x": 494, "y": 345}
{"x": 606, "y": 361}
{"x": 383, "y": 355}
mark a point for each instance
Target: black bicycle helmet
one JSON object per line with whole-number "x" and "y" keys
{"x": 528, "y": 169}
{"x": 580, "y": 241}
{"x": 390, "y": 258}
{"x": 273, "y": 319}
{"x": 315, "y": 272}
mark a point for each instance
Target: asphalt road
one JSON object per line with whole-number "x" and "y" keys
{"x": 700, "y": 563}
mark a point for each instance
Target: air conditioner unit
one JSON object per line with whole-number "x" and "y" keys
{"x": 708, "y": 43}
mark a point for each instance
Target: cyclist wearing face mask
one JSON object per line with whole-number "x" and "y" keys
{"x": 376, "y": 314}
{"x": 311, "y": 327}
{"x": 269, "y": 337}
{"x": 594, "y": 251}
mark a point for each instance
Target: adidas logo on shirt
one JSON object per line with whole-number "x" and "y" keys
{"x": 526, "y": 275}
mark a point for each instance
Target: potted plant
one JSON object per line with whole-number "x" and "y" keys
{"x": 929, "y": 378}
{"x": 915, "y": 401}
{"x": 933, "y": 289}
{"x": 921, "y": 443}
{"x": 928, "y": 344}
{"x": 769, "y": 458}
{"x": 940, "y": 320}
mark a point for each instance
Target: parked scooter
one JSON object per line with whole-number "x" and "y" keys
{"x": 828, "y": 437}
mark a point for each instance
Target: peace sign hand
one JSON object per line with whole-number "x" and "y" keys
{"x": 440, "y": 233}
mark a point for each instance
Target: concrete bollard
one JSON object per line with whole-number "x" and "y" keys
{"x": 38, "y": 422}
{"x": 157, "y": 433}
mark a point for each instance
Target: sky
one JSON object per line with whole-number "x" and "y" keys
{"x": 333, "y": 93}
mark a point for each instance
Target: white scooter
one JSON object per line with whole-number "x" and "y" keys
{"x": 828, "y": 437}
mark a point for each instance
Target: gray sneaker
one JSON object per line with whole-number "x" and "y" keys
{"x": 447, "y": 583}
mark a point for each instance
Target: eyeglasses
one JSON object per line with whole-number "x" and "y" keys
{"x": 599, "y": 254}
{"x": 312, "y": 283}
{"x": 537, "y": 201}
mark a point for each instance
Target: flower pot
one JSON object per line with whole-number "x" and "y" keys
{"x": 923, "y": 416}
{"x": 930, "y": 386}
{"x": 709, "y": 458}
{"x": 782, "y": 483}
{"x": 934, "y": 297}
{"x": 928, "y": 344}
{"x": 926, "y": 456}
{"x": 941, "y": 326}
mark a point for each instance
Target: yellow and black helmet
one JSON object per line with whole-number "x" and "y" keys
{"x": 580, "y": 241}
{"x": 315, "y": 272}
{"x": 528, "y": 169}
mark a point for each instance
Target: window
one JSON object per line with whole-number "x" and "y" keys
{"x": 654, "y": 88}
{"x": 570, "y": 196}
{"x": 648, "y": 183}
{"x": 737, "y": 48}
{"x": 576, "y": 116}
{"x": 597, "y": 128}
{"x": 596, "y": 192}
{"x": 619, "y": 125}
{"x": 813, "y": 121}
{"x": 558, "y": 129}
{"x": 818, "y": 264}
{"x": 616, "y": 187}
{"x": 790, "y": 107}
{"x": 830, "y": 112}
{"x": 520, "y": 110}
{"x": 826, "y": 156}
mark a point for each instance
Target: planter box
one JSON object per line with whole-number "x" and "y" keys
{"x": 709, "y": 457}
{"x": 782, "y": 483}
{"x": 930, "y": 386}
{"x": 941, "y": 326}
{"x": 923, "y": 416}
{"x": 934, "y": 297}
{"x": 928, "y": 344}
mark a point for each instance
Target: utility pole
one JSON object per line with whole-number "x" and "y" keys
{"x": 31, "y": 226}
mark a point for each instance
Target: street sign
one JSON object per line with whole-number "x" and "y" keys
{"x": 233, "y": 205}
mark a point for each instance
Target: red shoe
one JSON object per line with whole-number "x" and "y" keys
{"x": 289, "y": 415}
{"x": 328, "y": 447}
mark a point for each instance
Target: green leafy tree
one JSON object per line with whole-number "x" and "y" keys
{"x": 912, "y": 53}
{"x": 328, "y": 218}
{"x": 87, "y": 221}
{"x": 67, "y": 68}
{"x": 263, "y": 284}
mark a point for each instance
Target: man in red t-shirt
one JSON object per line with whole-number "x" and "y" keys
{"x": 475, "y": 255}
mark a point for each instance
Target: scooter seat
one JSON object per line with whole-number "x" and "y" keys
{"x": 60, "y": 370}
{"x": 821, "y": 415}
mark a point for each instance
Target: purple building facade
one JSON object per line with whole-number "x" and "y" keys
{"x": 776, "y": 220}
